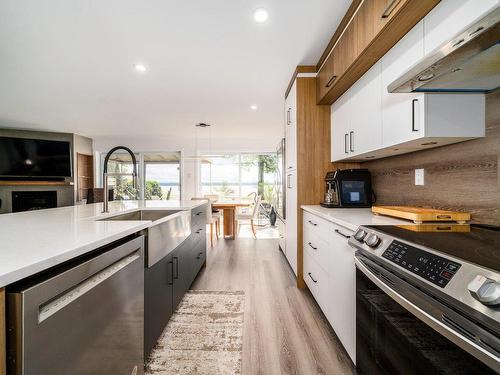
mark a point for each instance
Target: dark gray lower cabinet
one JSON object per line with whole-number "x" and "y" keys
{"x": 168, "y": 280}
{"x": 158, "y": 285}
{"x": 184, "y": 273}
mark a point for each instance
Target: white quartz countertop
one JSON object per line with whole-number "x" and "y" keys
{"x": 352, "y": 218}
{"x": 34, "y": 241}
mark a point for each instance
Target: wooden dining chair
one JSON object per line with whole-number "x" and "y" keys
{"x": 248, "y": 214}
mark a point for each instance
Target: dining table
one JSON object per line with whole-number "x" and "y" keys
{"x": 229, "y": 213}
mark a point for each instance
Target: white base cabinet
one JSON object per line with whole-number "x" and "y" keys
{"x": 330, "y": 275}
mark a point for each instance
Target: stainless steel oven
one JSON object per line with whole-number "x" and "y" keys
{"x": 413, "y": 315}
{"x": 84, "y": 317}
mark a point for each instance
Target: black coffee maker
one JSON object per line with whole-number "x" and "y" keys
{"x": 349, "y": 188}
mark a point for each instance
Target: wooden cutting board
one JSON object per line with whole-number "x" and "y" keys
{"x": 434, "y": 228}
{"x": 420, "y": 215}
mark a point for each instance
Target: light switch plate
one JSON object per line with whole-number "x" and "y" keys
{"x": 419, "y": 177}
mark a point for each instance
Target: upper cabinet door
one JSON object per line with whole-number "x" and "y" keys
{"x": 345, "y": 52}
{"x": 291, "y": 129}
{"x": 383, "y": 11}
{"x": 326, "y": 77}
{"x": 402, "y": 114}
{"x": 451, "y": 16}
{"x": 340, "y": 127}
{"x": 366, "y": 116}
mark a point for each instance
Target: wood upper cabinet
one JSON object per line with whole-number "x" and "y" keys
{"x": 382, "y": 11}
{"x": 374, "y": 28}
{"x": 346, "y": 51}
{"x": 326, "y": 76}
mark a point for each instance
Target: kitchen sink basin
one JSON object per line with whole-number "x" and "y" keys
{"x": 152, "y": 215}
{"x": 162, "y": 236}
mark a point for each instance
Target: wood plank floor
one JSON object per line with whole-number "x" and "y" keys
{"x": 285, "y": 332}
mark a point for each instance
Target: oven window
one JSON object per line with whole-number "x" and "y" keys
{"x": 354, "y": 192}
{"x": 390, "y": 340}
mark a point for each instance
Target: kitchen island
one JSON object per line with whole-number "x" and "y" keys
{"x": 48, "y": 244}
{"x": 34, "y": 241}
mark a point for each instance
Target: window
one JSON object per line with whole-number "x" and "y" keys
{"x": 234, "y": 176}
{"x": 159, "y": 175}
{"x": 163, "y": 179}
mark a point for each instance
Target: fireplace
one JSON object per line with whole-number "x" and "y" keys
{"x": 33, "y": 200}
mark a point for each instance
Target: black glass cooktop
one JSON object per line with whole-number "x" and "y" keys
{"x": 473, "y": 243}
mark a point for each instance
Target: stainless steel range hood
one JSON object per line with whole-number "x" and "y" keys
{"x": 470, "y": 62}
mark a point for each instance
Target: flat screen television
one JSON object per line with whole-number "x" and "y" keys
{"x": 23, "y": 158}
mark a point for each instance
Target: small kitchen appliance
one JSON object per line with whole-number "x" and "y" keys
{"x": 427, "y": 299}
{"x": 348, "y": 188}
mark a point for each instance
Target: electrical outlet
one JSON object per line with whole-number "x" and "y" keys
{"x": 419, "y": 177}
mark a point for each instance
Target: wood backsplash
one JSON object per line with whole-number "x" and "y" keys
{"x": 464, "y": 176}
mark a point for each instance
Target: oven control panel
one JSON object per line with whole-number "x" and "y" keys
{"x": 431, "y": 267}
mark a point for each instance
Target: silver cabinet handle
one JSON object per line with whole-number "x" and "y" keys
{"x": 342, "y": 234}
{"x": 413, "y": 128}
{"x": 346, "y": 136}
{"x": 288, "y": 116}
{"x": 311, "y": 246}
{"x": 351, "y": 141}
{"x": 312, "y": 223}
{"x": 330, "y": 82}
{"x": 288, "y": 181}
{"x": 389, "y": 9}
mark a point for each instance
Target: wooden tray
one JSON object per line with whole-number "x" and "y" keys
{"x": 420, "y": 215}
{"x": 434, "y": 228}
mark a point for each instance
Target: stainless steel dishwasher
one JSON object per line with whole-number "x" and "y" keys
{"x": 81, "y": 318}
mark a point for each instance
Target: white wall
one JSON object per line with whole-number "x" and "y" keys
{"x": 189, "y": 148}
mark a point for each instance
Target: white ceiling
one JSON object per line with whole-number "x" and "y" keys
{"x": 68, "y": 65}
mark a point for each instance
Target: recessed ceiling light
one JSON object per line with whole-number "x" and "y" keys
{"x": 140, "y": 68}
{"x": 253, "y": 107}
{"x": 260, "y": 15}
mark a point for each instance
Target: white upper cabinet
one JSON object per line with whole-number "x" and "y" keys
{"x": 366, "y": 115}
{"x": 402, "y": 114}
{"x": 451, "y": 16}
{"x": 356, "y": 117}
{"x": 369, "y": 122}
{"x": 341, "y": 124}
{"x": 291, "y": 128}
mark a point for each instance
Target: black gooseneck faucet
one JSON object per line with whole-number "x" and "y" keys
{"x": 105, "y": 174}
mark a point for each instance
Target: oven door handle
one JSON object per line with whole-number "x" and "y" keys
{"x": 438, "y": 326}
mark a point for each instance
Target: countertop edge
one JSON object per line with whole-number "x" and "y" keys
{"x": 331, "y": 219}
{"x": 34, "y": 268}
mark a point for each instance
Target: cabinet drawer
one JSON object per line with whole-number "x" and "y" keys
{"x": 316, "y": 227}
{"x": 319, "y": 250}
{"x": 316, "y": 280}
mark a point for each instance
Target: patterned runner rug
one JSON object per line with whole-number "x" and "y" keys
{"x": 204, "y": 336}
